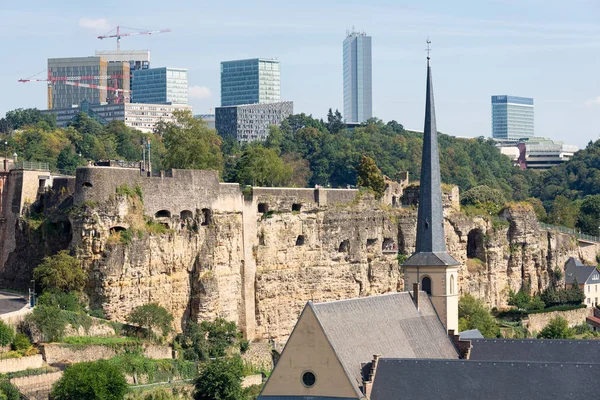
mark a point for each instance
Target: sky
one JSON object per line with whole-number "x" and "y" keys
{"x": 545, "y": 49}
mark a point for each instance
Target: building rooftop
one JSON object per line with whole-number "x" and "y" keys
{"x": 535, "y": 350}
{"x": 389, "y": 325}
{"x": 574, "y": 269}
{"x": 457, "y": 379}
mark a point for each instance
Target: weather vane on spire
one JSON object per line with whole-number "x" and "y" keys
{"x": 428, "y": 49}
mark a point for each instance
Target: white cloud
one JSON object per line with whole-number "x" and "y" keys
{"x": 199, "y": 92}
{"x": 97, "y": 24}
{"x": 593, "y": 102}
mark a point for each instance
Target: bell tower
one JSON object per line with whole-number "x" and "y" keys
{"x": 431, "y": 266}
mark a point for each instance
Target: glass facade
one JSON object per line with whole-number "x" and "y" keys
{"x": 160, "y": 86}
{"x": 512, "y": 117}
{"x": 358, "y": 88}
{"x": 87, "y": 70}
{"x": 251, "y": 122}
{"x": 254, "y": 81}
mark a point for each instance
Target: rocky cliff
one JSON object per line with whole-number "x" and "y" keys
{"x": 257, "y": 260}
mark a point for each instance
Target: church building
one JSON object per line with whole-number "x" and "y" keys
{"x": 404, "y": 346}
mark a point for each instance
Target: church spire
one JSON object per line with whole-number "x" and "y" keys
{"x": 431, "y": 242}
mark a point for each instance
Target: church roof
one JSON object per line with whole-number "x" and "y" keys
{"x": 458, "y": 379}
{"x": 389, "y": 325}
{"x": 535, "y": 350}
{"x": 431, "y": 240}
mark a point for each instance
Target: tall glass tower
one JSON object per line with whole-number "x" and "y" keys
{"x": 358, "y": 99}
{"x": 512, "y": 117}
{"x": 254, "y": 81}
{"x": 160, "y": 86}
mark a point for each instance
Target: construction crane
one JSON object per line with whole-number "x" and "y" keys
{"x": 100, "y": 87}
{"x": 119, "y": 34}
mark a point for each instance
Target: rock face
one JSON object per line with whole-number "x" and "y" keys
{"x": 203, "y": 250}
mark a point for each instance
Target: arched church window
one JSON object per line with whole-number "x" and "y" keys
{"x": 426, "y": 284}
{"x": 451, "y": 284}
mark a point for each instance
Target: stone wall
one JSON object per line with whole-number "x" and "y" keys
{"x": 37, "y": 387}
{"x": 20, "y": 364}
{"x": 56, "y": 353}
{"x": 537, "y": 322}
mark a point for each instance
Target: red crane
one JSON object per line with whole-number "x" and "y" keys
{"x": 119, "y": 34}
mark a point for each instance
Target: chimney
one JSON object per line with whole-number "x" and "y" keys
{"x": 416, "y": 294}
{"x": 368, "y": 384}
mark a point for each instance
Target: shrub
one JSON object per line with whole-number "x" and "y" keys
{"x": 20, "y": 342}
{"x": 151, "y": 316}
{"x": 50, "y": 321}
{"x": 6, "y": 334}
{"x": 221, "y": 379}
{"x": 480, "y": 195}
{"x": 97, "y": 313}
{"x": 61, "y": 272}
{"x": 8, "y": 391}
{"x": 65, "y": 301}
{"x": 98, "y": 380}
{"x": 473, "y": 314}
{"x": 126, "y": 236}
{"x": 557, "y": 328}
{"x": 208, "y": 339}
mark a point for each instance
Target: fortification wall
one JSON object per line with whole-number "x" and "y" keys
{"x": 537, "y": 322}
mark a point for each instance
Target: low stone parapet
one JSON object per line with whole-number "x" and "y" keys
{"x": 20, "y": 364}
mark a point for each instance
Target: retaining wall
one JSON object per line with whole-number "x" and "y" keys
{"x": 537, "y": 322}
{"x": 66, "y": 354}
{"x": 20, "y": 364}
{"x": 36, "y": 387}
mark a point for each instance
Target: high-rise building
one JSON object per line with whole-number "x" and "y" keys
{"x": 254, "y": 81}
{"x": 512, "y": 117}
{"x": 160, "y": 86}
{"x": 358, "y": 88}
{"x": 86, "y": 70}
{"x": 250, "y": 122}
{"x": 137, "y": 59}
{"x": 118, "y": 77}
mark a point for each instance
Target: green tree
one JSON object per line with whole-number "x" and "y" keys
{"x": 65, "y": 301}
{"x": 221, "y": 379}
{"x": 472, "y": 314}
{"x": 483, "y": 194}
{"x": 28, "y": 116}
{"x": 335, "y": 122}
{"x": 61, "y": 272}
{"x": 68, "y": 161}
{"x": 6, "y": 334}
{"x": 259, "y": 166}
{"x": 369, "y": 176}
{"x": 557, "y": 328}
{"x": 564, "y": 212}
{"x": 521, "y": 299}
{"x": 98, "y": 380}
{"x": 589, "y": 215}
{"x": 208, "y": 339}
{"x": 190, "y": 144}
{"x": 50, "y": 321}
{"x": 8, "y": 391}
{"x": 575, "y": 294}
{"x": 152, "y": 317}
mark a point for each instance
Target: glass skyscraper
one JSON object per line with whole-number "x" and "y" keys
{"x": 254, "y": 81}
{"x": 358, "y": 98}
{"x": 512, "y": 117}
{"x": 160, "y": 86}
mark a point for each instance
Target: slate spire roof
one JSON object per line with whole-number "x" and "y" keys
{"x": 431, "y": 242}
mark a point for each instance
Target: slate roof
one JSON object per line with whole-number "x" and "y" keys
{"x": 470, "y": 334}
{"x": 535, "y": 350}
{"x": 574, "y": 269}
{"x": 458, "y": 379}
{"x": 389, "y": 325}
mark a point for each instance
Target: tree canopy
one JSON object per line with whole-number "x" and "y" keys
{"x": 472, "y": 314}
{"x": 221, "y": 379}
{"x": 557, "y": 328}
{"x": 98, "y": 380}
{"x": 152, "y": 317}
{"x": 61, "y": 272}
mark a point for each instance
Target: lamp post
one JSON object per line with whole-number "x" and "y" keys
{"x": 32, "y": 294}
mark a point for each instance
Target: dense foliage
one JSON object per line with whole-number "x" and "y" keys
{"x": 221, "y": 379}
{"x": 571, "y": 296}
{"x": 472, "y": 314}
{"x": 152, "y": 317}
{"x": 557, "y": 328}
{"x": 6, "y": 334}
{"x": 98, "y": 380}
{"x": 369, "y": 176}
{"x": 8, "y": 391}
{"x": 209, "y": 339}
{"x": 61, "y": 272}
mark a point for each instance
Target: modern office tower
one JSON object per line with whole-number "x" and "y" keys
{"x": 86, "y": 70}
{"x": 250, "y": 122}
{"x": 358, "y": 88}
{"x": 137, "y": 59}
{"x": 137, "y": 116}
{"x": 255, "y": 81}
{"x": 537, "y": 153}
{"x": 118, "y": 77}
{"x": 160, "y": 86}
{"x": 512, "y": 117}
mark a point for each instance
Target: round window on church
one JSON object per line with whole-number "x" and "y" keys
{"x": 308, "y": 379}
